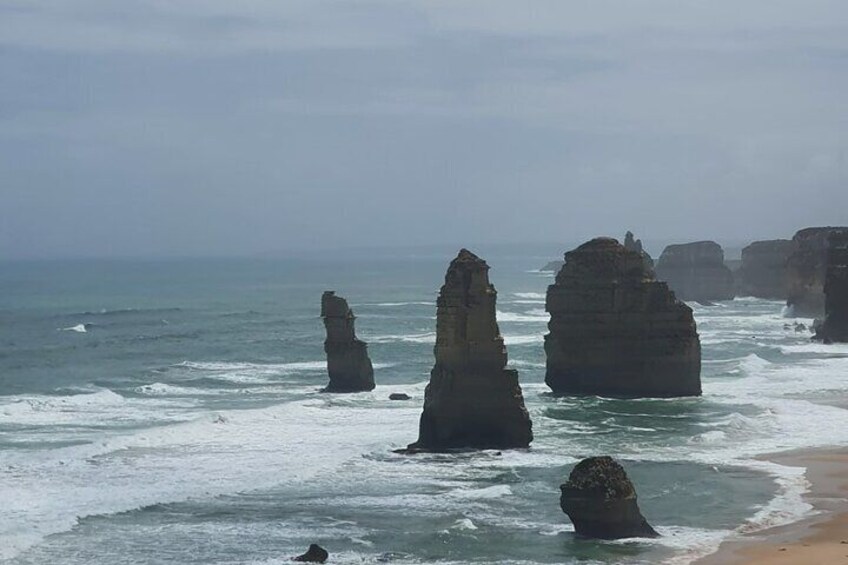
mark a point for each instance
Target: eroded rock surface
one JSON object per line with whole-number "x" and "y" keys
{"x": 617, "y": 331}
{"x": 763, "y": 273}
{"x": 806, "y": 268}
{"x": 601, "y": 502}
{"x": 473, "y": 400}
{"x": 348, "y": 364}
{"x": 835, "y": 325}
{"x": 315, "y": 554}
{"x": 696, "y": 271}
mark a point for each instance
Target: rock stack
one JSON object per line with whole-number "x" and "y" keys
{"x": 600, "y": 500}
{"x": 472, "y": 400}
{"x": 696, "y": 271}
{"x": 806, "y": 268}
{"x": 348, "y": 364}
{"x": 617, "y": 331}
{"x": 835, "y": 325}
{"x": 763, "y": 272}
{"x": 636, "y": 245}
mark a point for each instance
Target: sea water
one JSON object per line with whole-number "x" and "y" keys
{"x": 168, "y": 412}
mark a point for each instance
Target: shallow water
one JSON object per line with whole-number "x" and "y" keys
{"x": 156, "y": 412}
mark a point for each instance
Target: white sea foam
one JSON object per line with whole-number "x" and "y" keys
{"x": 523, "y": 339}
{"x": 530, "y": 295}
{"x": 427, "y": 337}
{"x": 79, "y": 328}
{"x": 536, "y": 316}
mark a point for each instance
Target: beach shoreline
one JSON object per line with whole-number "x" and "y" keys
{"x": 820, "y": 538}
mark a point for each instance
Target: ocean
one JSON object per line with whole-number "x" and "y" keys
{"x": 168, "y": 412}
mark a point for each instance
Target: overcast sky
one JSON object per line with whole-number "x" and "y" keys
{"x": 220, "y": 127}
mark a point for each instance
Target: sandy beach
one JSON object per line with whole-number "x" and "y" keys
{"x": 819, "y": 539}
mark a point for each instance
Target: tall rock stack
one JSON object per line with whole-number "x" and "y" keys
{"x": 806, "y": 268}
{"x": 472, "y": 400}
{"x": 634, "y": 244}
{"x": 348, "y": 364}
{"x": 617, "y": 331}
{"x": 835, "y": 325}
{"x": 763, "y": 273}
{"x": 696, "y": 271}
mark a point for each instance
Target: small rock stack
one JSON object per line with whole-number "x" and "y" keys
{"x": 763, "y": 272}
{"x": 600, "y": 500}
{"x": 472, "y": 400}
{"x": 806, "y": 268}
{"x": 835, "y": 325}
{"x": 348, "y": 364}
{"x": 696, "y": 271}
{"x": 617, "y": 331}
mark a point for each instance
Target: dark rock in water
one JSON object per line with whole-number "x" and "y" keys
{"x": 472, "y": 400}
{"x": 600, "y": 500}
{"x": 763, "y": 273}
{"x": 636, "y": 245}
{"x": 617, "y": 331}
{"x": 799, "y": 327}
{"x": 696, "y": 271}
{"x": 399, "y": 396}
{"x": 348, "y": 364}
{"x": 315, "y": 554}
{"x": 552, "y": 267}
{"x": 834, "y": 327}
{"x": 806, "y": 268}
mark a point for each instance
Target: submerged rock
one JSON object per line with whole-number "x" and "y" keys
{"x": 600, "y": 500}
{"x": 399, "y": 396}
{"x": 472, "y": 400}
{"x": 315, "y": 554}
{"x": 806, "y": 268}
{"x": 763, "y": 273}
{"x": 696, "y": 271}
{"x": 348, "y": 364}
{"x": 617, "y": 331}
{"x": 835, "y": 324}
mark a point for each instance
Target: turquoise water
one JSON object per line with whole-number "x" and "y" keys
{"x": 167, "y": 412}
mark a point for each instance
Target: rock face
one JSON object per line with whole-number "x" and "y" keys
{"x": 315, "y": 554}
{"x": 601, "y": 502}
{"x": 696, "y": 271}
{"x": 835, "y": 325}
{"x": 472, "y": 400}
{"x": 806, "y": 268}
{"x": 763, "y": 272}
{"x": 617, "y": 331}
{"x": 348, "y": 364}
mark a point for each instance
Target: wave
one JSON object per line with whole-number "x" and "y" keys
{"x": 533, "y": 316}
{"x": 126, "y": 311}
{"x": 79, "y": 328}
{"x": 427, "y": 337}
{"x": 396, "y": 304}
{"x": 523, "y": 339}
{"x": 533, "y": 295}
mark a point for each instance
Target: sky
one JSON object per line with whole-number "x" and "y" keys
{"x": 215, "y": 128}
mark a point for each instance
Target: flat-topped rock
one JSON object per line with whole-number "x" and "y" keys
{"x": 473, "y": 400}
{"x": 806, "y": 267}
{"x": 617, "y": 331}
{"x": 601, "y": 501}
{"x": 348, "y": 364}
{"x": 834, "y": 328}
{"x": 763, "y": 272}
{"x": 696, "y": 271}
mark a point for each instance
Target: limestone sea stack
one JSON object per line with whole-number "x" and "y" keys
{"x": 348, "y": 364}
{"x": 633, "y": 244}
{"x": 600, "y": 500}
{"x": 835, "y": 325}
{"x": 806, "y": 268}
{"x": 617, "y": 331}
{"x": 763, "y": 272}
{"x": 696, "y": 271}
{"x": 473, "y": 400}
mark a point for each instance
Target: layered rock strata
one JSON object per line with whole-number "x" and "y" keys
{"x": 473, "y": 400}
{"x": 696, "y": 271}
{"x": 348, "y": 364}
{"x": 806, "y": 268}
{"x": 835, "y": 325}
{"x": 617, "y": 331}
{"x": 601, "y": 502}
{"x": 763, "y": 273}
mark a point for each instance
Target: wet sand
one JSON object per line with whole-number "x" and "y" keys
{"x": 820, "y": 539}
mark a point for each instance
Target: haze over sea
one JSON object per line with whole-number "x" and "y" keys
{"x": 168, "y": 411}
